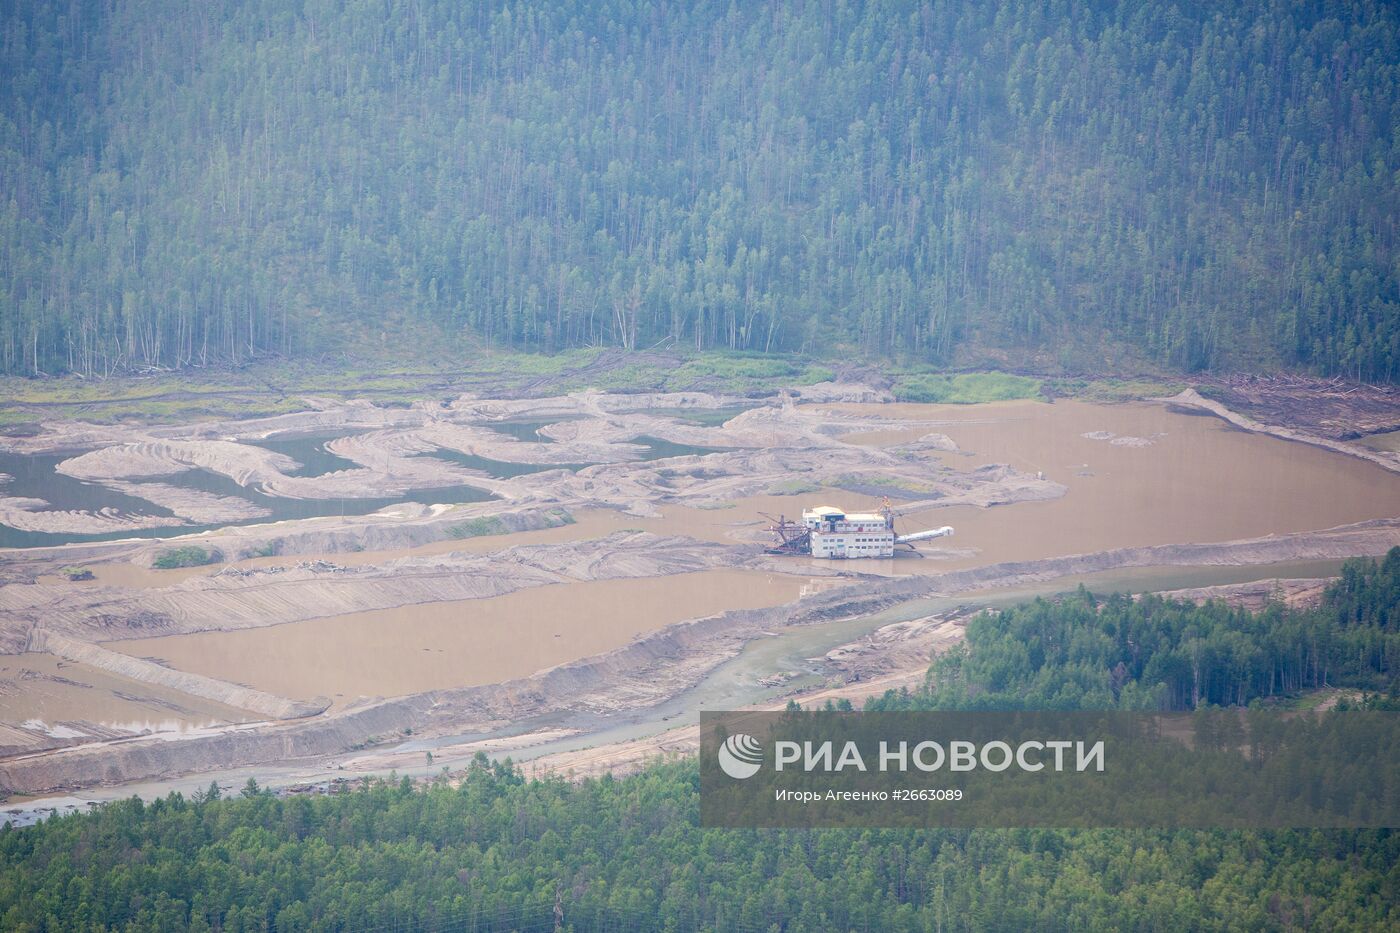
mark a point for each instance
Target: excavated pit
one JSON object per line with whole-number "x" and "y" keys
{"x": 612, "y": 500}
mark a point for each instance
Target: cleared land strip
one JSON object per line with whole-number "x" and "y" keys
{"x": 626, "y": 757}
{"x": 147, "y": 672}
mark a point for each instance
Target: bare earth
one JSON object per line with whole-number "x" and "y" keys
{"x": 604, "y": 589}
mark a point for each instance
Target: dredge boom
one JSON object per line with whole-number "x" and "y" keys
{"x": 944, "y": 532}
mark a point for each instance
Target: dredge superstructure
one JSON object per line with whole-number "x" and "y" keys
{"x": 832, "y": 533}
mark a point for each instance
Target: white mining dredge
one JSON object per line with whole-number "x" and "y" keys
{"x": 832, "y": 533}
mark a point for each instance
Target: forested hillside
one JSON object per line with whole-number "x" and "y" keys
{"x": 1196, "y": 185}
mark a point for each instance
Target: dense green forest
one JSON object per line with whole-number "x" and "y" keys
{"x": 1151, "y": 653}
{"x": 1060, "y": 181}
{"x": 498, "y": 852}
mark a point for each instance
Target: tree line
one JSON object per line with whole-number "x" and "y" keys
{"x": 1192, "y": 185}
{"x": 1154, "y": 653}
{"x": 500, "y": 853}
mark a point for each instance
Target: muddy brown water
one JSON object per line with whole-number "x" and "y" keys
{"x": 1178, "y": 478}
{"x": 1198, "y": 480}
{"x": 37, "y": 686}
{"x": 1389, "y": 441}
{"x": 732, "y": 685}
{"x": 417, "y": 648}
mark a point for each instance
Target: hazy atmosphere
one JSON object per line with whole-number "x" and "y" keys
{"x": 414, "y": 416}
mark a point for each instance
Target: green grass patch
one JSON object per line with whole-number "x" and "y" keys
{"x": 744, "y": 372}
{"x": 876, "y": 481}
{"x": 77, "y": 574}
{"x": 1115, "y": 390}
{"x": 15, "y": 422}
{"x": 275, "y": 387}
{"x": 188, "y": 556}
{"x": 964, "y": 388}
{"x": 534, "y": 364}
{"x": 488, "y": 525}
{"x": 631, "y": 377}
{"x": 792, "y": 487}
{"x": 724, "y": 366}
{"x": 270, "y": 549}
{"x": 706, "y": 417}
{"x": 479, "y": 528}
{"x": 1311, "y": 700}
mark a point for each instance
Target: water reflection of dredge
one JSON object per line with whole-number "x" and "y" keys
{"x": 832, "y": 533}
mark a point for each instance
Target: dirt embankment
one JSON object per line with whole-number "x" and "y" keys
{"x": 1191, "y": 399}
{"x": 254, "y": 598}
{"x": 26, "y": 513}
{"x": 632, "y": 755}
{"x": 398, "y": 527}
{"x": 1299, "y": 593}
{"x": 143, "y": 671}
{"x": 898, "y": 648}
{"x": 637, "y": 676}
